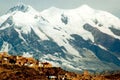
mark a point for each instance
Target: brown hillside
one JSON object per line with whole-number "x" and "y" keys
{"x": 22, "y": 68}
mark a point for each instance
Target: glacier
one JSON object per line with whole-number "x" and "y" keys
{"x": 74, "y": 39}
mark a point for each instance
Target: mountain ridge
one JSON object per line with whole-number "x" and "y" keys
{"x": 74, "y": 39}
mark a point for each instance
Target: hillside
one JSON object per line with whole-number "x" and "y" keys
{"x": 13, "y": 71}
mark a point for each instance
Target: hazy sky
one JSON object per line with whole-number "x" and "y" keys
{"x": 112, "y": 6}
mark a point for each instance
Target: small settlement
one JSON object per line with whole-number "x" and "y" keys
{"x": 51, "y": 73}
{"x": 5, "y": 58}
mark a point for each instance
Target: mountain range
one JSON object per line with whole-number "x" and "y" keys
{"x": 74, "y": 39}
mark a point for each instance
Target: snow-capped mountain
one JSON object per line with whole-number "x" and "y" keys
{"x": 74, "y": 39}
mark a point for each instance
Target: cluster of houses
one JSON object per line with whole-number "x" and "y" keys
{"x": 5, "y": 58}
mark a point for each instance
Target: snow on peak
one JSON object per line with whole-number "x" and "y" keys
{"x": 24, "y": 17}
{"x": 85, "y": 7}
{"x": 53, "y": 10}
{"x": 22, "y": 14}
{"x": 21, "y": 7}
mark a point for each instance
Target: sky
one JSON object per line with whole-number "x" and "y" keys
{"x": 112, "y": 6}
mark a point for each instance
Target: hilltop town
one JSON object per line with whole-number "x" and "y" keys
{"x": 27, "y": 68}
{"x": 5, "y": 58}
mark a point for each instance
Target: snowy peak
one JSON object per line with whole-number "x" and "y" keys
{"x": 73, "y": 39}
{"x": 22, "y": 14}
{"x": 21, "y": 7}
{"x": 54, "y": 8}
{"x": 85, "y": 7}
{"x": 81, "y": 8}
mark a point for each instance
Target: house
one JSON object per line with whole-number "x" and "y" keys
{"x": 4, "y": 58}
{"x": 4, "y": 54}
{"x": 40, "y": 64}
{"x": 68, "y": 76}
{"x": 61, "y": 77}
{"x": 51, "y": 77}
{"x": 21, "y": 60}
{"x": 86, "y": 75}
{"x": 12, "y": 59}
{"x": 46, "y": 65}
{"x": 31, "y": 62}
